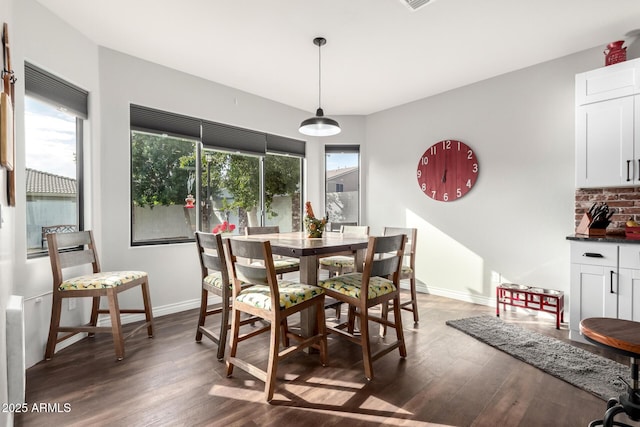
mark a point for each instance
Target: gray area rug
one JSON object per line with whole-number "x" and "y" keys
{"x": 595, "y": 374}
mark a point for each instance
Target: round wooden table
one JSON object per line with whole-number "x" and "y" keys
{"x": 621, "y": 336}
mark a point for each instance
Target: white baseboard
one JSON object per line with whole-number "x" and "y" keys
{"x": 448, "y": 293}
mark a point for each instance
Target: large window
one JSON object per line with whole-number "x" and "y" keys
{"x": 190, "y": 175}
{"x": 54, "y": 113}
{"x": 342, "y": 185}
{"x": 231, "y": 191}
{"x": 162, "y": 177}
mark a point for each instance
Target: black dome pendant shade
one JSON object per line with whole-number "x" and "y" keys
{"x": 319, "y": 125}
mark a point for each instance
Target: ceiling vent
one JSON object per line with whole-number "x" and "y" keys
{"x": 415, "y": 4}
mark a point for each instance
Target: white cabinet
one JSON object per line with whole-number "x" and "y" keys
{"x": 629, "y": 282}
{"x": 614, "y": 81}
{"x": 607, "y": 126}
{"x": 606, "y": 146}
{"x": 605, "y": 282}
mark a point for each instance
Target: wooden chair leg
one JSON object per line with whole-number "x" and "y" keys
{"x": 233, "y": 340}
{"x": 56, "y": 309}
{"x": 93, "y": 319}
{"x": 272, "y": 365}
{"x": 351, "y": 319}
{"x": 414, "y": 299}
{"x": 204, "y": 297}
{"x": 385, "y": 315}
{"x": 366, "y": 345}
{"x": 224, "y": 327}
{"x": 146, "y": 299}
{"x": 397, "y": 319}
{"x": 116, "y": 326}
{"x": 322, "y": 330}
{"x": 285, "y": 337}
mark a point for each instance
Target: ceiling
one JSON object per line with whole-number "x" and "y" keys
{"x": 379, "y": 53}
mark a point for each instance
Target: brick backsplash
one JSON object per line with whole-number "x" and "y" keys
{"x": 625, "y": 200}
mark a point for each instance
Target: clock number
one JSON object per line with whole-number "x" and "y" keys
{"x": 458, "y": 145}
{"x": 425, "y": 160}
{"x": 469, "y": 154}
{"x": 433, "y": 194}
{"x": 458, "y": 193}
{"x": 419, "y": 173}
{"x": 446, "y": 145}
{"x": 475, "y": 168}
{"x": 424, "y": 186}
{"x": 469, "y": 183}
{"x": 445, "y": 197}
{"x": 433, "y": 149}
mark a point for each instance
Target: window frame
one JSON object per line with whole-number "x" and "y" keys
{"x": 344, "y": 149}
{"x": 59, "y": 93}
{"x": 217, "y": 137}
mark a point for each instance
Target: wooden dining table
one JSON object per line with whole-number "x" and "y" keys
{"x": 309, "y": 251}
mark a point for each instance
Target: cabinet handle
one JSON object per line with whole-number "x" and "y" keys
{"x": 611, "y": 283}
{"x": 592, "y": 255}
{"x": 628, "y": 163}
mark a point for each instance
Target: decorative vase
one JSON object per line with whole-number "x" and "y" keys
{"x": 616, "y": 53}
{"x": 313, "y": 225}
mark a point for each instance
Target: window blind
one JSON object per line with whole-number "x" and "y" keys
{"x": 44, "y": 85}
{"x": 151, "y": 120}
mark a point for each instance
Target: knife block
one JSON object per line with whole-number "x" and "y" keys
{"x": 585, "y": 228}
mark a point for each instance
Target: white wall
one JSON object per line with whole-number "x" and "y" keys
{"x": 512, "y": 225}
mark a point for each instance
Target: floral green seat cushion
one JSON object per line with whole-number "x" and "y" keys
{"x": 102, "y": 280}
{"x": 351, "y": 285}
{"x": 406, "y": 270}
{"x": 214, "y": 279}
{"x": 337, "y": 261}
{"x": 282, "y": 263}
{"x": 291, "y": 293}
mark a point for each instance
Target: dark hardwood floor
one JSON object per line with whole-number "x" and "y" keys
{"x": 447, "y": 379}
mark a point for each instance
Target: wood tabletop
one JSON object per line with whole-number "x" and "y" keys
{"x": 297, "y": 244}
{"x": 619, "y": 335}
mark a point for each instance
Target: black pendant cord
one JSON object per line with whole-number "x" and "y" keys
{"x": 319, "y": 75}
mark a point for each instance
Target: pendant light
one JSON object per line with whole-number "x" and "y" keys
{"x": 319, "y": 125}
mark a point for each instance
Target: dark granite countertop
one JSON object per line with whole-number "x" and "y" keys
{"x": 609, "y": 238}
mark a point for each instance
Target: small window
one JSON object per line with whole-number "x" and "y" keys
{"x": 342, "y": 184}
{"x": 54, "y": 113}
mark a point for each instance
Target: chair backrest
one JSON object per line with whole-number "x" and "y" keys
{"x": 384, "y": 259}
{"x": 63, "y": 254}
{"x": 262, "y": 273}
{"x": 337, "y": 226}
{"x": 359, "y": 230}
{"x": 211, "y": 254}
{"x": 410, "y": 247}
{"x": 261, "y": 230}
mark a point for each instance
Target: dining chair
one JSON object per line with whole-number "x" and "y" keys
{"x": 378, "y": 284}
{"x": 274, "y": 302}
{"x": 340, "y": 264}
{"x": 214, "y": 279}
{"x": 408, "y": 268}
{"x": 282, "y": 264}
{"x": 70, "y": 251}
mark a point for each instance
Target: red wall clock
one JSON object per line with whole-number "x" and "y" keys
{"x": 447, "y": 170}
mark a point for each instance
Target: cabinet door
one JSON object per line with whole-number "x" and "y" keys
{"x": 591, "y": 292}
{"x": 614, "y": 81}
{"x": 605, "y": 144}
{"x": 629, "y": 282}
{"x": 629, "y": 294}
